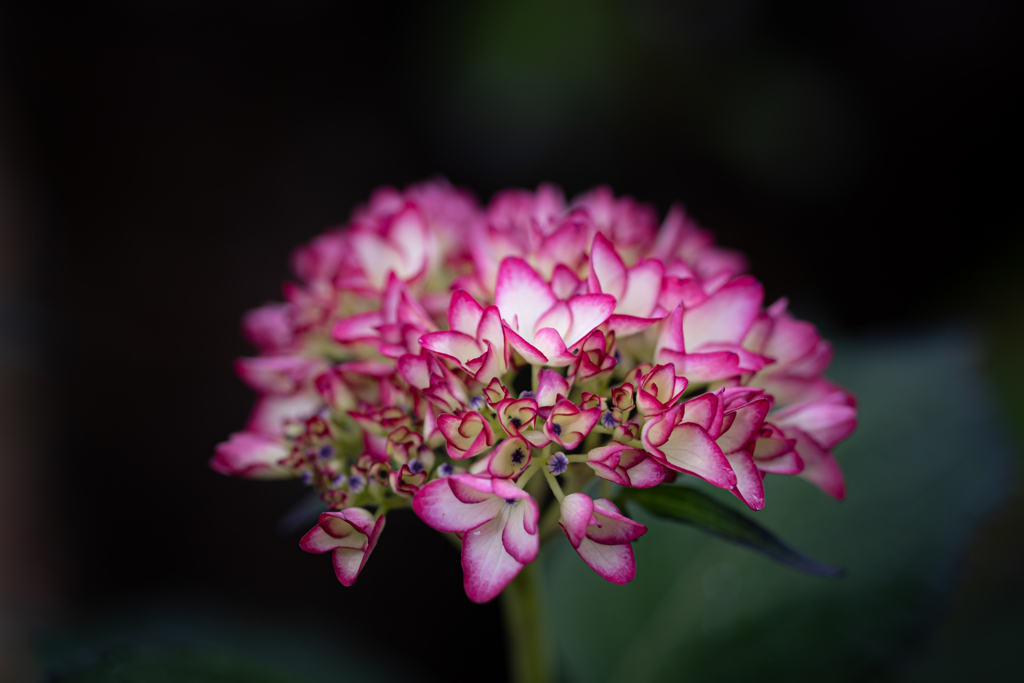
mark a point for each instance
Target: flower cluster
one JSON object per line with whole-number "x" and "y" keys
{"x": 477, "y": 363}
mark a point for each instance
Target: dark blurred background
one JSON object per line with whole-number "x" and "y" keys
{"x": 159, "y": 160}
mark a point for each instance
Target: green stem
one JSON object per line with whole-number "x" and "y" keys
{"x": 530, "y": 656}
{"x": 555, "y": 487}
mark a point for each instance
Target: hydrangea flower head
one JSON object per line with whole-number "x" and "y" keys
{"x": 475, "y": 363}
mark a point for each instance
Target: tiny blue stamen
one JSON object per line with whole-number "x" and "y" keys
{"x": 355, "y": 482}
{"x": 556, "y": 429}
{"x": 307, "y": 477}
{"x": 558, "y": 463}
{"x": 338, "y": 481}
{"x": 527, "y": 394}
{"x": 607, "y": 421}
{"x": 510, "y": 501}
{"x": 446, "y": 469}
{"x": 476, "y": 403}
{"x": 326, "y": 452}
{"x": 516, "y": 422}
{"x": 415, "y": 466}
{"x": 518, "y": 456}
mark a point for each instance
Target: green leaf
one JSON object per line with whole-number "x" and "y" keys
{"x": 690, "y": 506}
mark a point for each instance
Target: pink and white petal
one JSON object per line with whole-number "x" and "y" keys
{"x": 530, "y": 353}
{"x": 690, "y": 449}
{"x": 411, "y": 312}
{"x": 814, "y": 363}
{"x": 507, "y": 490}
{"x": 826, "y": 421}
{"x": 588, "y": 312}
{"x": 316, "y": 540}
{"x": 748, "y": 361}
{"x": 347, "y": 563}
{"x": 607, "y": 271}
{"x": 518, "y": 541}
{"x": 770, "y": 447}
{"x": 662, "y": 381}
{"x": 278, "y": 374}
{"x": 790, "y": 340}
{"x": 448, "y": 425}
{"x": 488, "y": 366}
{"x": 726, "y": 316}
{"x": 409, "y": 236}
{"x": 466, "y": 436}
{"x": 685, "y": 291}
{"x": 558, "y": 318}
{"x": 574, "y": 428}
{"x": 820, "y": 467}
{"x": 788, "y": 390}
{"x": 642, "y": 290}
{"x": 437, "y": 505}
{"x": 719, "y": 422}
{"x": 612, "y": 526}
{"x": 747, "y": 423}
{"x": 550, "y": 386}
{"x": 372, "y": 537}
{"x": 658, "y": 429}
{"x": 457, "y": 346}
{"x": 614, "y": 563}
{"x": 470, "y": 489}
{"x": 645, "y": 474}
{"x": 464, "y": 313}
{"x": 269, "y": 327}
{"x": 375, "y": 445}
{"x": 536, "y": 437}
{"x": 671, "y": 337}
{"x": 358, "y": 328}
{"x": 342, "y": 533}
{"x": 564, "y": 282}
{"x": 648, "y": 404}
{"x": 251, "y": 455}
{"x": 487, "y": 567}
{"x": 787, "y": 463}
{"x": 430, "y": 426}
{"x": 712, "y": 283}
{"x": 567, "y": 244}
{"x": 611, "y": 474}
{"x": 749, "y": 484}
{"x": 271, "y": 412}
{"x": 625, "y": 325}
{"x": 577, "y": 513}
{"x": 701, "y": 410}
{"x": 722, "y": 261}
{"x": 361, "y": 520}
{"x": 370, "y": 368}
{"x": 492, "y": 330}
{"x": 521, "y": 295}
{"x": 703, "y": 367}
{"x": 551, "y": 345}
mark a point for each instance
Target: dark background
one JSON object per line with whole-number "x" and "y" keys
{"x": 161, "y": 159}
